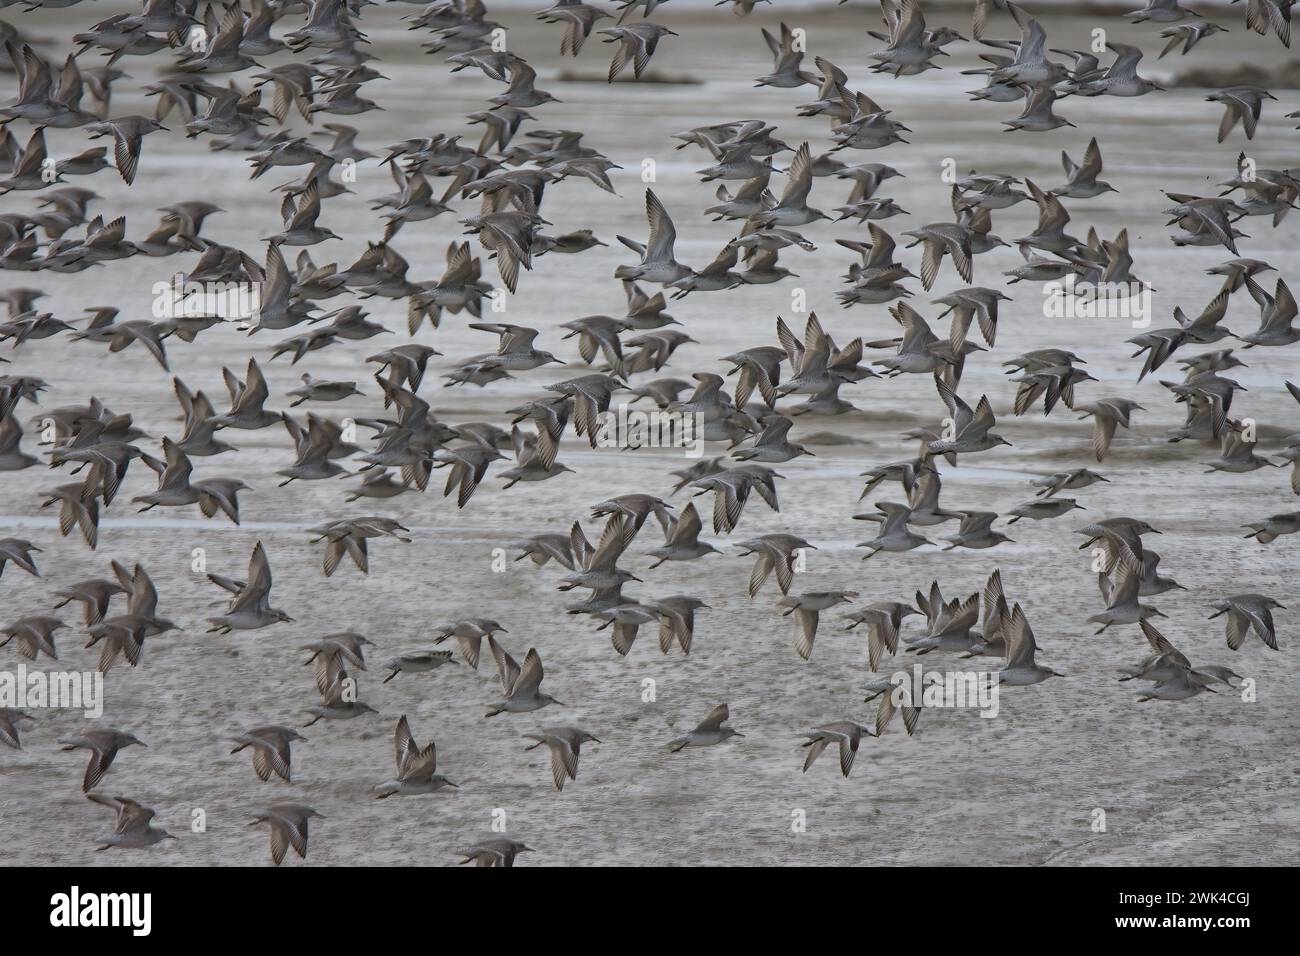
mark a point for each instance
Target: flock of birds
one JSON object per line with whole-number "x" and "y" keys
{"x": 211, "y": 83}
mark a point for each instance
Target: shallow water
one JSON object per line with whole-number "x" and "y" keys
{"x": 1210, "y": 779}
